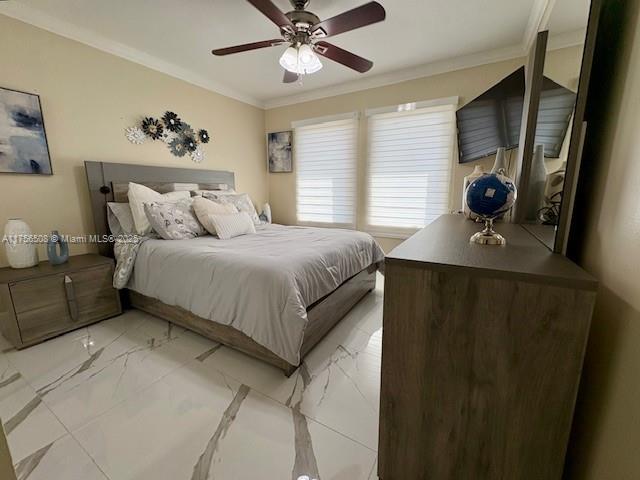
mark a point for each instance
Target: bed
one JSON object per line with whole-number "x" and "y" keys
{"x": 273, "y": 294}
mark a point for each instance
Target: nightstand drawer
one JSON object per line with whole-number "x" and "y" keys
{"x": 95, "y": 296}
{"x": 54, "y": 303}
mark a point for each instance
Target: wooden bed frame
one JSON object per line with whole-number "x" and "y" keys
{"x": 108, "y": 183}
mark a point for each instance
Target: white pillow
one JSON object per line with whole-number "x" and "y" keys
{"x": 120, "y": 219}
{"x": 229, "y": 226}
{"x": 242, "y": 201}
{"x": 205, "y": 209}
{"x": 139, "y": 195}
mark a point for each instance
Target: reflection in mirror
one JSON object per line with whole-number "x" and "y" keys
{"x": 567, "y": 26}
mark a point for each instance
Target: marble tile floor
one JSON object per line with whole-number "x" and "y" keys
{"x": 134, "y": 397}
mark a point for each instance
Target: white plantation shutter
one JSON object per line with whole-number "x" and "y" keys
{"x": 326, "y": 152}
{"x": 409, "y": 165}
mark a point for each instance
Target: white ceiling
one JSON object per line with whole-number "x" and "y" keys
{"x": 568, "y": 15}
{"x": 177, "y": 36}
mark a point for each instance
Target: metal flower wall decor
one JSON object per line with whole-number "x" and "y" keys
{"x": 180, "y": 138}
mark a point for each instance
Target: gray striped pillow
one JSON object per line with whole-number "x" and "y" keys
{"x": 234, "y": 225}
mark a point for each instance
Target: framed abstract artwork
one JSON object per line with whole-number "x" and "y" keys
{"x": 280, "y": 151}
{"x": 23, "y": 140}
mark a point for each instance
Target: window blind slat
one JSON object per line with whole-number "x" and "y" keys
{"x": 326, "y": 172}
{"x": 409, "y": 163}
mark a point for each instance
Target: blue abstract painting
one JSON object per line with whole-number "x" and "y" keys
{"x": 280, "y": 151}
{"x": 23, "y": 141}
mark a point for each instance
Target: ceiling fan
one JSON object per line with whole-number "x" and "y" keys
{"x": 304, "y": 32}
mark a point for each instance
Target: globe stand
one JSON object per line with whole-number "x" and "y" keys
{"x": 488, "y": 236}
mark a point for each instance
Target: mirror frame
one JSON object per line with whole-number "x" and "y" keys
{"x": 534, "y": 75}
{"x": 578, "y": 132}
{"x": 534, "y": 78}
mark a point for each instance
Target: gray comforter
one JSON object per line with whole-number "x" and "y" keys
{"x": 260, "y": 284}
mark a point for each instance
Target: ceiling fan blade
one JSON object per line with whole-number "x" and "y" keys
{"x": 273, "y": 13}
{"x": 362, "y": 16}
{"x": 290, "y": 77}
{"x": 247, "y": 46}
{"x": 344, "y": 57}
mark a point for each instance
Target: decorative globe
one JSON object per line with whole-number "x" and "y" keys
{"x": 491, "y": 195}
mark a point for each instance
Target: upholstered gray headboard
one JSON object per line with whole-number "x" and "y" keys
{"x": 108, "y": 183}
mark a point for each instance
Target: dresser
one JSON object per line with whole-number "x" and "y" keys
{"x": 482, "y": 351}
{"x": 44, "y": 301}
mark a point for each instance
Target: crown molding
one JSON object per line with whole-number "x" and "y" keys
{"x": 32, "y": 16}
{"x": 567, "y": 39}
{"x": 538, "y": 21}
{"x": 398, "y": 76}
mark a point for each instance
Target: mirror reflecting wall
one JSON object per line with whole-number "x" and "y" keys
{"x": 567, "y": 26}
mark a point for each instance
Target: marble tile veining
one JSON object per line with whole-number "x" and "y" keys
{"x": 81, "y": 386}
{"x": 305, "y": 463}
{"x": 28, "y": 423}
{"x": 203, "y": 465}
{"x": 62, "y": 459}
{"x": 135, "y": 397}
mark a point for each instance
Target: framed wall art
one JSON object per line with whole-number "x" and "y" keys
{"x": 280, "y": 151}
{"x": 23, "y": 140}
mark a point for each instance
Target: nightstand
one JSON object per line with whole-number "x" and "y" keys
{"x": 44, "y": 301}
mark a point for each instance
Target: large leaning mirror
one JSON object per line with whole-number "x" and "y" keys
{"x": 567, "y": 28}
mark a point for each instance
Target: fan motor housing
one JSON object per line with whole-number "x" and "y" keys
{"x": 302, "y": 17}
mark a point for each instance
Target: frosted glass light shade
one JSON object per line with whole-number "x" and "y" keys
{"x": 302, "y": 60}
{"x": 289, "y": 60}
{"x": 312, "y": 66}
{"x": 306, "y": 55}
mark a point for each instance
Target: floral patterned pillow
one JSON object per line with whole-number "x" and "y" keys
{"x": 241, "y": 201}
{"x": 174, "y": 221}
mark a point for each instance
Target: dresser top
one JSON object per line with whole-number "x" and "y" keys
{"x": 444, "y": 245}
{"x": 42, "y": 269}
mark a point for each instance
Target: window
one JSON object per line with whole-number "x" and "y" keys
{"x": 409, "y": 165}
{"x": 326, "y": 151}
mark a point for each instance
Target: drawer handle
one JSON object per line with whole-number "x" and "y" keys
{"x": 71, "y": 298}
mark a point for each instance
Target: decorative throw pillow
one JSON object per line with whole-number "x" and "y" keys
{"x": 120, "y": 218}
{"x": 139, "y": 195}
{"x": 229, "y": 226}
{"x": 242, "y": 202}
{"x": 173, "y": 221}
{"x": 206, "y": 208}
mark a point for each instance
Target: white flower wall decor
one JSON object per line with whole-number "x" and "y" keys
{"x": 135, "y": 135}
{"x": 197, "y": 155}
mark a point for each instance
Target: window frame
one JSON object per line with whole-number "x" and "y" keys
{"x": 401, "y": 232}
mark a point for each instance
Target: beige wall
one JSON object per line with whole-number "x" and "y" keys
{"x": 605, "y": 239}
{"x": 466, "y": 84}
{"x": 88, "y": 98}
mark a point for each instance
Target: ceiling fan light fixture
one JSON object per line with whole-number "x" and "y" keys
{"x": 301, "y": 60}
{"x": 303, "y": 30}
{"x": 289, "y": 60}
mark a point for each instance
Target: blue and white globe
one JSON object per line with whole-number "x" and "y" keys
{"x": 491, "y": 195}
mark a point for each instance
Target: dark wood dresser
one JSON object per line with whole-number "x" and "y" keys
{"x": 482, "y": 351}
{"x": 44, "y": 301}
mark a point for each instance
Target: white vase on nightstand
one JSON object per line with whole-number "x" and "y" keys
{"x": 478, "y": 171}
{"x": 500, "y": 165}
{"x": 20, "y": 252}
